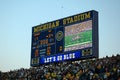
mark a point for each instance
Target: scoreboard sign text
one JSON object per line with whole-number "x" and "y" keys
{"x": 70, "y": 38}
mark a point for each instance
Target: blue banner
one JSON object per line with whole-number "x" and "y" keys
{"x": 61, "y": 57}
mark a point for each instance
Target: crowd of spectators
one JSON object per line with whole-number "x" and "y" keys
{"x": 77, "y": 28}
{"x": 107, "y": 68}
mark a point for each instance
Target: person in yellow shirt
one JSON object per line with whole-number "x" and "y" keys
{"x": 53, "y": 75}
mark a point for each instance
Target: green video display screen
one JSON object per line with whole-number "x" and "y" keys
{"x": 78, "y": 36}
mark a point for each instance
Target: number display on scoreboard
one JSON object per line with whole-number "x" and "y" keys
{"x": 70, "y": 38}
{"x": 48, "y": 42}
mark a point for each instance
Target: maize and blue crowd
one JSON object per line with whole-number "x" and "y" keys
{"x": 107, "y": 68}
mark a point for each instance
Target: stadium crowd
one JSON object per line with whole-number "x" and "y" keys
{"x": 107, "y": 68}
{"x": 78, "y": 28}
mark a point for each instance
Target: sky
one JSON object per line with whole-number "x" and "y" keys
{"x": 17, "y": 17}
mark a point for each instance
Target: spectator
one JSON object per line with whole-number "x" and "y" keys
{"x": 95, "y": 69}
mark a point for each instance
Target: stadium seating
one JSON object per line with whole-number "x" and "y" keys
{"x": 107, "y": 68}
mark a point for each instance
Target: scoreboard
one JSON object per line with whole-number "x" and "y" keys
{"x": 71, "y": 38}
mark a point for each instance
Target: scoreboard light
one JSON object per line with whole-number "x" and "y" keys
{"x": 71, "y": 38}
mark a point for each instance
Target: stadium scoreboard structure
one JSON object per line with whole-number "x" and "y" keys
{"x": 71, "y": 38}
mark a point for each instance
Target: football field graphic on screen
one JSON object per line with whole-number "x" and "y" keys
{"x": 78, "y": 36}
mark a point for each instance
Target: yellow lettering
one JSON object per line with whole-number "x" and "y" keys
{"x": 87, "y": 15}
{"x": 53, "y": 25}
{"x": 35, "y": 29}
{"x": 71, "y": 20}
{"x": 44, "y": 26}
{"x": 79, "y": 17}
{"x": 82, "y": 16}
{"x": 57, "y": 23}
{"x": 49, "y": 25}
{"x": 64, "y": 21}
{"x": 68, "y": 20}
{"x": 75, "y": 18}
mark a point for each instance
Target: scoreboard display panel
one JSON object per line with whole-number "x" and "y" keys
{"x": 78, "y": 36}
{"x": 71, "y": 38}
